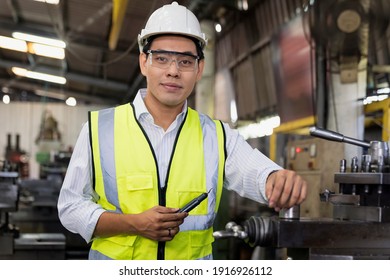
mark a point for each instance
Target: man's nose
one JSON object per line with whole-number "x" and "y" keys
{"x": 176, "y": 66}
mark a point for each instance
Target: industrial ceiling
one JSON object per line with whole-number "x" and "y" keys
{"x": 101, "y": 54}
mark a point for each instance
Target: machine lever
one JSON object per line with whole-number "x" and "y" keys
{"x": 337, "y": 137}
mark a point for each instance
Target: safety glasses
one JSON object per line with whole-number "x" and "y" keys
{"x": 162, "y": 59}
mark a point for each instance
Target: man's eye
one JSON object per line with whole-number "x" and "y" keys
{"x": 161, "y": 59}
{"x": 186, "y": 62}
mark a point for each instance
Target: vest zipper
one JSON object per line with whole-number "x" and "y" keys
{"x": 161, "y": 191}
{"x": 162, "y": 201}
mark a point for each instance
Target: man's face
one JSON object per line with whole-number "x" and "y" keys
{"x": 170, "y": 87}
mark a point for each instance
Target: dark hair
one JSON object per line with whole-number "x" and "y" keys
{"x": 199, "y": 49}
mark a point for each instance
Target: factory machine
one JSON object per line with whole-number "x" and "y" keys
{"x": 359, "y": 227}
{"x": 16, "y": 244}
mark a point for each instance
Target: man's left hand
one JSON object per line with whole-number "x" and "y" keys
{"x": 284, "y": 189}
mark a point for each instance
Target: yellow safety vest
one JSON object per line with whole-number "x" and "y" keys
{"x": 126, "y": 180}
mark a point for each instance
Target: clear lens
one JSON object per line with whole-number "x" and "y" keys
{"x": 163, "y": 59}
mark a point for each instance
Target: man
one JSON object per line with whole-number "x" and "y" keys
{"x": 135, "y": 165}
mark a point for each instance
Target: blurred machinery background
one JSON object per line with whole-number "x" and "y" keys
{"x": 29, "y": 224}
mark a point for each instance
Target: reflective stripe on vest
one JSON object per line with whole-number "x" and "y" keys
{"x": 126, "y": 179}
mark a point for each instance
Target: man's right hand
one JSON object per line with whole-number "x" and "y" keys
{"x": 159, "y": 223}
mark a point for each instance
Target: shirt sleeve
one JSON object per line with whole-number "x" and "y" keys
{"x": 246, "y": 168}
{"x": 77, "y": 207}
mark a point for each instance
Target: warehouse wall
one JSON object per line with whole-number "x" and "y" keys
{"x": 25, "y": 119}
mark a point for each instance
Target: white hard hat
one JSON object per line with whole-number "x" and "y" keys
{"x": 172, "y": 19}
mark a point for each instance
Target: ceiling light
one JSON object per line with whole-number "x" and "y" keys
{"x": 34, "y": 48}
{"x": 37, "y": 75}
{"x": 218, "y": 27}
{"x": 39, "y": 39}
{"x": 13, "y": 44}
{"x": 48, "y": 51}
{"x": 385, "y": 90}
{"x": 71, "y": 101}
{"x": 262, "y": 128}
{"x": 54, "y": 2}
{"x": 6, "y": 99}
{"x": 242, "y": 5}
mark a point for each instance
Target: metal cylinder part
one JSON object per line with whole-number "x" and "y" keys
{"x": 290, "y": 213}
{"x": 366, "y": 163}
{"x": 343, "y": 166}
{"x": 354, "y": 165}
{"x": 379, "y": 152}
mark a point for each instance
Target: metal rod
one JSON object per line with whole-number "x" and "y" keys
{"x": 337, "y": 137}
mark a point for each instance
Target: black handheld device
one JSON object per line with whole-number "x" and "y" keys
{"x": 193, "y": 203}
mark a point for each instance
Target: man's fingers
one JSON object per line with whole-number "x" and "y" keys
{"x": 275, "y": 188}
{"x": 284, "y": 189}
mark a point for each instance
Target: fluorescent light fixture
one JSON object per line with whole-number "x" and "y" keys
{"x": 39, "y": 39}
{"x": 13, "y": 44}
{"x": 48, "y": 51}
{"x": 54, "y": 2}
{"x": 37, "y": 75}
{"x": 385, "y": 90}
{"x": 375, "y": 98}
{"x": 34, "y": 48}
{"x": 262, "y": 128}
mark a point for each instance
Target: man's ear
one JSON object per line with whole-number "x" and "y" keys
{"x": 143, "y": 59}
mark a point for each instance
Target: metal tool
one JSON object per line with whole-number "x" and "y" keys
{"x": 378, "y": 151}
{"x": 193, "y": 203}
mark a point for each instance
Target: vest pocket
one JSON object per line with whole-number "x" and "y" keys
{"x": 136, "y": 182}
{"x": 117, "y": 247}
{"x": 136, "y": 193}
{"x": 201, "y": 243}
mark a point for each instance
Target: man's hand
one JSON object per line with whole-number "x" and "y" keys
{"x": 159, "y": 223}
{"x": 284, "y": 189}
